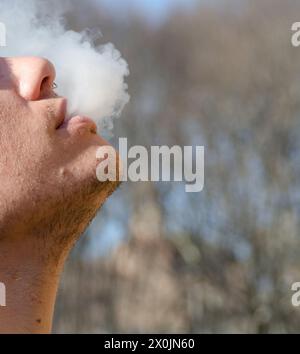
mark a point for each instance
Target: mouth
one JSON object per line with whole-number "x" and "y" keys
{"x": 79, "y": 121}
{"x": 74, "y": 122}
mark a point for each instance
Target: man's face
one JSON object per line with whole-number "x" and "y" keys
{"x": 47, "y": 164}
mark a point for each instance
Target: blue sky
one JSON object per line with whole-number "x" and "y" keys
{"x": 154, "y": 9}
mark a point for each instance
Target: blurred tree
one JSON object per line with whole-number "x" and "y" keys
{"x": 224, "y": 76}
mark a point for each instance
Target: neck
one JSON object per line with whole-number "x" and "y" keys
{"x": 31, "y": 283}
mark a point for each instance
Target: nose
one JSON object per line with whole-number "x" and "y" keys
{"x": 34, "y": 76}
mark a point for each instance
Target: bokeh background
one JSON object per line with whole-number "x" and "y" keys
{"x": 222, "y": 74}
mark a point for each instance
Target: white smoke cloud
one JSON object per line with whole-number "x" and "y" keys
{"x": 92, "y": 78}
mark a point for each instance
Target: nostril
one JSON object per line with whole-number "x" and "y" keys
{"x": 47, "y": 87}
{"x": 45, "y": 84}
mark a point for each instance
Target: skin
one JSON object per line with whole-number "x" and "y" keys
{"x": 49, "y": 192}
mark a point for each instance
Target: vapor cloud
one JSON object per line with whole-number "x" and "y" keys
{"x": 92, "y": 78}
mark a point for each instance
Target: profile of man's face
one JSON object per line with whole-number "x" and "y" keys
{"x": 47, "y": 164}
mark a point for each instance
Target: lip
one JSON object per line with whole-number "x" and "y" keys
{"x": 79, "y": 121}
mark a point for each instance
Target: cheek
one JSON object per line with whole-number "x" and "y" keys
{"x": 8, "y": 106}
{"x": 15, "y": 116}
